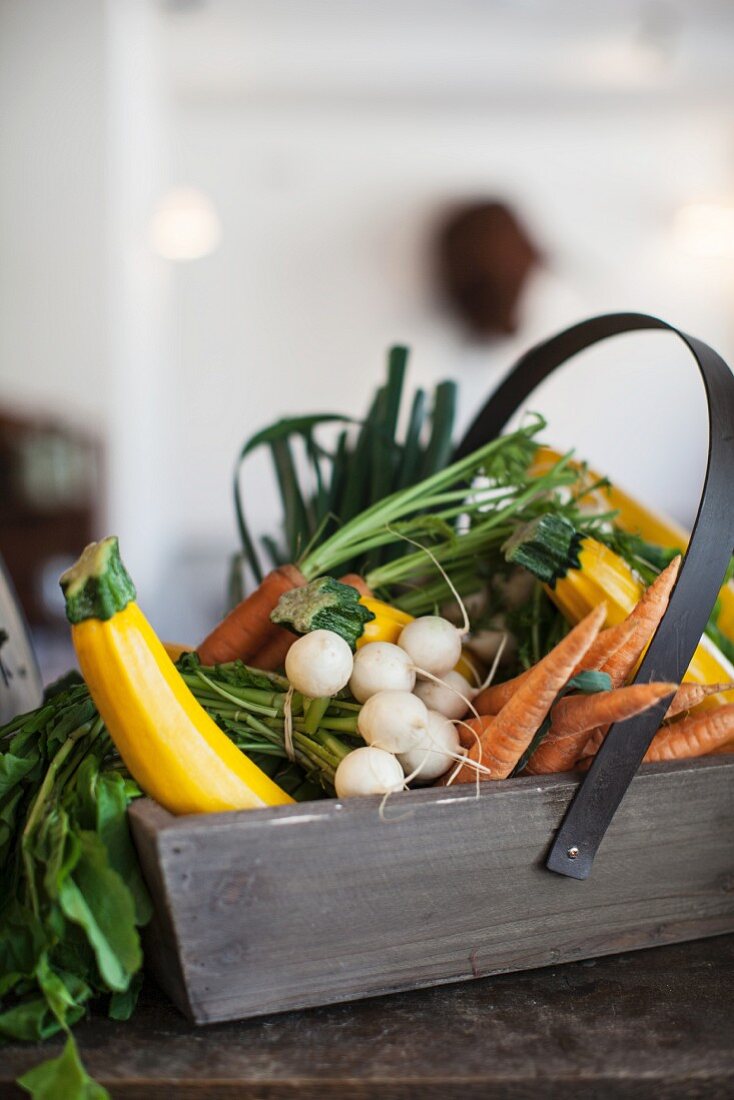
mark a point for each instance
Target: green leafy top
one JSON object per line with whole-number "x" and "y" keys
{"x": 547, "y": 546}
{"x": 98, "y": 585}
{"x": 323, "y": 485}
{"x": 324, "y": 604}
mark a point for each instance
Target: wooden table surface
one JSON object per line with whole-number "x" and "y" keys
{"x": 657, "y": 1024}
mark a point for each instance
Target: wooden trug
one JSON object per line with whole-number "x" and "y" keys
{"x": 269, "y": 910}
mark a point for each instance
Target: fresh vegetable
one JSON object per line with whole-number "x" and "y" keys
{"x": 652, "y": 531}
{"x": 472, "y": 730}
{"x": 272, "y": 653}
{"x": 63, "y": 829}
{"x": 574, "y": 716}
{"x": 379, "y": 539}
{"x": 432, "y": 643}
{"x": 324, "y": 604}
{"x": 645, "y": 617}
{"x": 505, "y": 739}
{"x": 601, "y": 496}
{"x": 169, "y": 743}
{"x": 435, "y": 753}
{"x": 381, "y": 666}
{"x": 608, "y": 644}
{"x": 696, "y": 735}
{"x": 689, "y": 696}
{"x": 386, "y": 624}
{"x": 579, "y": 571}
{"x": 393, "y": 720}
{"x": 430, "y": 508}
{"x": 451, "y": 696}
{"x": 242, "y": 634}
{"x": 355, "y": 581}
{"x": 368, "y": 770}
{"x": 330, "y": 468}
{"x": 491, "y": 699}
{"x": 615, "y": 651}
{"x": 319, "y": 664}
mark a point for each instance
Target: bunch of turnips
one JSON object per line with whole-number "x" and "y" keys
{"x": 407, "y": 729}
{"x": 409, "y": 691}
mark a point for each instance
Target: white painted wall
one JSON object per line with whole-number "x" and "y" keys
{"x": 326, "y": 216}
{"x": 329, "y": 139}
{"x": 53, "y": 320}
{"x": 83, "y": 301}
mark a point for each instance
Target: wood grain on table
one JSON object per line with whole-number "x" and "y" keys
{"x": 655, "y": 1024}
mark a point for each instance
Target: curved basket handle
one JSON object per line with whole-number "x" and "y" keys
{"x": 704, "y": 567}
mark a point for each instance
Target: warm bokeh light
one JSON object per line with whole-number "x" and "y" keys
{"x": 706, "y": 228}
{"x": 185, "y": 225}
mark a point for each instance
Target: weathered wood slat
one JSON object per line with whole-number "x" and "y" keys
{"x": 264, "y": 911}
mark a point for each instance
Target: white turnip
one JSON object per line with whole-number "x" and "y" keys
{"x": 366, "y": 771}
{"x": 319, "y": 664}
{"x": 393, "y": 720}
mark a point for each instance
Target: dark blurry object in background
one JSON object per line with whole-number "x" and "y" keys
{"x": 20, "y": 680}
{"x": 49, "y": 476}
{"x": 484, "y": 257}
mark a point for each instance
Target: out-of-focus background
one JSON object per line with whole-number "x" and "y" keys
{"x": 215, "y": 212}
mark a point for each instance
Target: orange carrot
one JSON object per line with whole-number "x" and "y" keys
{"x": 355, "y": 581}
{"x": 697, "y": 735}
{"x": 494, "y": 697}
{"x": 645, "y": 616}
{"x": 271, "y": 656}
{"x": 504, "y": 740}
{"x": 575, "y": 715}
{"x": 478, "y": 725}
{"x": 689, "y": 696}
{"x": 593, "y": 744}
{"x": 724, "y": 749}
{"x": 243, "y": 632}
{"x": 605, "y": 645}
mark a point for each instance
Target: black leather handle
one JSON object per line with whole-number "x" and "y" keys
{"x": 704, "y": 567}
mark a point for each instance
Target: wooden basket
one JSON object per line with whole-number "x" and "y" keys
{"x": 274, "y": 909}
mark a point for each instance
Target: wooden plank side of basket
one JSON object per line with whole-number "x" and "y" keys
{"x": 270, "y": 910}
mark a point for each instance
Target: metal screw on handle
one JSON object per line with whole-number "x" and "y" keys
{"x": 706, "y": 561}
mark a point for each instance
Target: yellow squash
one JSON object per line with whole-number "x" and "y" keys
{"x": 631, "y": 515}
{"x": 389, "y": 622}
{"x": 604, "y": 575}
{"x": 171, "y": 746}
{"x": 386, "y": 625}
{"x": 639, "y": 520}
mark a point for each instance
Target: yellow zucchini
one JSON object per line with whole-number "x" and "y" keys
{"x": 170, "y": 745}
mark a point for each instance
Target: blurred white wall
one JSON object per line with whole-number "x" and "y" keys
{"x": 329, "y": 135}
{"x": 323, "y": 263}
{"x": 329, "y": 139}
{"x": 53, "y": 207}
{"x": 84, "y": 310}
